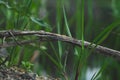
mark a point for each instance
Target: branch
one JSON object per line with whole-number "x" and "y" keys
{"x": 46, "y": 36}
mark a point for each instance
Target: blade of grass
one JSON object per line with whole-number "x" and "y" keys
{"x": 11, "y": 56}
{"x": 28, "y": 6}
{"x": 53, "y": 60}
{"x": 67, "y": 27}
{"x": 54, "y": 51}
{"x": 81, "y": 57}
{"x": 82, "y": 33}
{"x": 66, "y": 56}
{"x": 59, "y": 21}
{"x": 96, "y": 75}
{"x": 101, "y": 37}
{"x": 89, "y": 26}
{"x": 104, "y": 34}
{"x": 59, "y": 43}
{"x": 66, "y": 23}
{"x": 78, "y": 19}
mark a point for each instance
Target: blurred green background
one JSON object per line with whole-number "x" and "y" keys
{"x": 81, "y": 19}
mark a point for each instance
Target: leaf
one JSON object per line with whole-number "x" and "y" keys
{"x": 104, "y": 34}
{"x": 40, "y": 22}
{"x": 66, "y": 23}
{"x": 5, "y": 4}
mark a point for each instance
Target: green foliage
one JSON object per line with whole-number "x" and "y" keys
{"x": 27, "y": 65}
{"x": 60, "y": 58}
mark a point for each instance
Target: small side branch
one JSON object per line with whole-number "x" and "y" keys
{"x": 47, "y": 36}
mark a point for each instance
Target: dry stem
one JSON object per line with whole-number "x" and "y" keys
{"x": 47, "y": 36}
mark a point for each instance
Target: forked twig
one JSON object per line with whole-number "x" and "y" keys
{"x": 53, "y": 36}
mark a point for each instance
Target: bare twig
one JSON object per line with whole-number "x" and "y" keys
{"x": 53, "y": 36}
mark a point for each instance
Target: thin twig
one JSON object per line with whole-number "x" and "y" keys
{"x": 53, "y": 36}
{"x": 10, "y": 44}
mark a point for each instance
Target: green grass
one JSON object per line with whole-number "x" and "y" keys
{"x": 66, "y": 59}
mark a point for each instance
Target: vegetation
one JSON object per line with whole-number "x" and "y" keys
{"x": 93, "y": 21}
